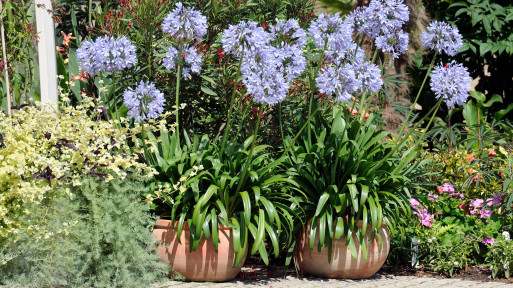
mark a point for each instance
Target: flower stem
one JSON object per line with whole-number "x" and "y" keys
{"x": 228, "y": 126}
{"x": 251, "y": 151}
{"x": 416, "y": 98}
{"x": 177, "y": 94}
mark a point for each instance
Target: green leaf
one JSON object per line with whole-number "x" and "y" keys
{"x": 260, "y": 232}
{"x": 208, "y": 91}
{"x": 246, "y": 202}
{"x": 322, "y": 201}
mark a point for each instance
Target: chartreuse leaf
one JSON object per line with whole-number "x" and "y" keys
{"x": 259, "y": 239}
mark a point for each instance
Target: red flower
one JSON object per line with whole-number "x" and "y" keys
{"x": 492, "y": 153}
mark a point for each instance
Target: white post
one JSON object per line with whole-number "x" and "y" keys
{"x": 46, "y": 52}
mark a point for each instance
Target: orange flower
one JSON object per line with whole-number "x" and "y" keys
{"x": 67, "y": 38}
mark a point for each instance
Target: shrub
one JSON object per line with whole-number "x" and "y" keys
{"x": 100, "y": 238}
{"x": 41, "y": 150}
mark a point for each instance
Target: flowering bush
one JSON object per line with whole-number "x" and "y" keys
{"x": 41, "y": 149}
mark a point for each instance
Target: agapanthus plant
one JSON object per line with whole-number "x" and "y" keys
{"x": 246, "y": 36}
{"x": 106, "y": 54}
{"x": 144, "y": 102}
{"x": 185, "y": 24}
{"x": 383, "y": 20}
{"x": 451, "y": 82}
{"x": 442, "y": 37}
{"x": 191, "y": 60}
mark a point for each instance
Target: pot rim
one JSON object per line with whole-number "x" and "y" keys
{"x": 168, "y": 224}
{"x": 359, "y": 224}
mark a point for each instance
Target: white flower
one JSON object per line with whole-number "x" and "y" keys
{"x": 506, "y": 235}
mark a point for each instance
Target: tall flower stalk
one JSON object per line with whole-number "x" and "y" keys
{"x": 185, "y": 26}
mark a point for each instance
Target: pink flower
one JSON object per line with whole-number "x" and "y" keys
{"x": 470, "y": 158}
{"x": 495, "y": 200}
{"x": 488, "y": 241}
{"x": 485, "y": 213}
{"x": 433, "y": 197}
{"x": 476, "y": 203}
{"x": 427, "y": 219}
{"x": 414, "y": 203}
{"x": 448, "y": 188}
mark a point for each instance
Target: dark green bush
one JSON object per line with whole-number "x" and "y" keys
{"x": 101, "y": 238}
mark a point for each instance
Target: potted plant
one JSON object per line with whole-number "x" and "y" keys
{"x": 214, "y": 214}
{"x": 353, "y": 175}
{"x": 353, "y": 198}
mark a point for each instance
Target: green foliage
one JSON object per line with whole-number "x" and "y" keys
{"x": 492, "y": 26}
{"x": 20, "y": 37}
{"x": 500, "y": 257}
{"x": 349, "y": 172}
{"x": 101, "y": 238}
{"x": 209, "y": 190}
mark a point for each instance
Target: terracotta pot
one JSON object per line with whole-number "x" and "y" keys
{"x": 203, "y": 264}
{"x": 343, "y": 265}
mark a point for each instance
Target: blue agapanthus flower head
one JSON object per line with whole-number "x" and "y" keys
{"x": 264, "y": 77}
{"x": 144, "y": 102}
{"x": 381, "y": 17}
{"x": 393, "y": 43}
{"x": 106, "y": 54}
{"x": 339, "y": 80}
{"x": 185, "y": 23}
{"x": 368, "y": 76}
{"x": 452, "y": 82}
{"x": 327, "y": 29}
{"x": 288, "y": 33}
{"x": 442, "y": 37}
{"x": 191, "y": 60}
{"x": 245, "y": 36}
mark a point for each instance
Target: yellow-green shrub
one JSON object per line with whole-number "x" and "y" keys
{"x": 42, "y": 149}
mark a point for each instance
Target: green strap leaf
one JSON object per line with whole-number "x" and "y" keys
{"x": 260, "y": 232}
{"x": 322, "y": 201}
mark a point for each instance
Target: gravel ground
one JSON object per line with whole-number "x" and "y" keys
{"x": 376, "y": 281}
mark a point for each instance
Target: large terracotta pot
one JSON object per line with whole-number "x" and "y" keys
{"x": 203, "y": 264}
{"x": 343, "y": 265}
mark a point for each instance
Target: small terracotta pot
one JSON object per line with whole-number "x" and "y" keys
{"x": 203, "y": 264}
{"x": 342, "y": 265}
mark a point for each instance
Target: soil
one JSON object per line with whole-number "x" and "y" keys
{"x": 255, "y": 269}
{"x": 473, "y": 273}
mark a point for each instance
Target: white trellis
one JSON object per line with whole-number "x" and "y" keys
{"x": 46, "y": 52}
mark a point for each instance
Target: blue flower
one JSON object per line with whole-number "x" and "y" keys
{"x": 452, "y": 82}
{"x": 288, "y": 33}
{"x": 106, "y": 54}
{"x": 145, "y": 102}
{"x": 190, "y": 64}
{"x": 337, "y": 34}
{"x": 393, "y": 43}
{"x": 441, "y": 36}
{"x": 263, "y": 76}
{"x": 185, "y": 23}
{"x": 381, "y": 17}
{"x": 338, "y": 79}
{"x": 245, "y": 35}
{"x": 368, "y": 76}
